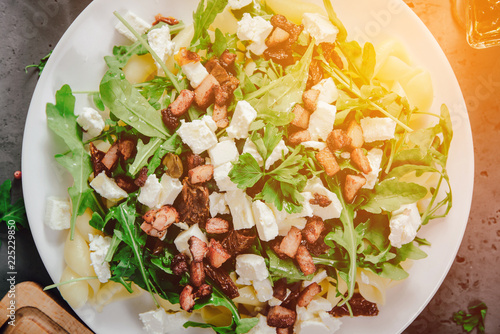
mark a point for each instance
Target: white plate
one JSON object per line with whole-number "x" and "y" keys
{"x": 78, "y": 61}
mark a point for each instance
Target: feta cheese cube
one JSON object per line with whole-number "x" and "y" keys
{"x": 250, "y": 148}
{"x": 375, "y": 158}
{"x": 99, "y": 247}
{"x": 327, "y": 90}
{"x": 255, "y": 30}
{"x": 195, "y": 72}
{"x": 315, "y": 185}
{"x": 404, "y": 224}
{"x": 244, "y": 115}
{"x": 210, "y": 123}
{"x": 91, "y": 121}
{"x": 197, "y": 135}
{"x": 160, "y": 322}
{"x": 107, "y": 188}
{"x": 151, "y": 192}
{"x": 171, "y": 188}
{"x": 377, "y": 128}
{"x": 321, "y": 121}
{"x": 240, "y": 205}
{"x": 58, "y": 213}
{"x": 264, "y": 221}
{"x": 223, "y": 152}
{"x": 315, "y": 145}
{"x": 251, "y": 267}
{"x": 218, "y": 204}
{"x": 159, "y": 40}
{"x": 136, "y": 22}
{"x": 262, "y": 327}
{"x": 330, "y": 321}
{"x": 181, "y": 242}
{"x": 280, "y": 150}
{"x": 263, "y": 289}
{"x": 238, "y": 4}
{"x": 319, "y": 304}
{"x": 320, "y": 28}
{"x": 221, "y": 177}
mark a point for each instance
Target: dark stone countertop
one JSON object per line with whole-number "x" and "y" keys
{"x": 30, "y": 29}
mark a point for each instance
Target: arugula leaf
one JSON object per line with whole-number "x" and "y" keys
{"x": 62, "y": 121}
{"x": 203, "y": 17}
{"x": 220, "y": 43}
{"x": 342, "y": 35}
{"x": 171, "y": 145}
{"x": 153, "y": 90}
{"x": 474, "y": 319}
{"x": 41, "y": 64}
{"x": 144, "y": 152}
{"x": 11, "y": 212}
{"x": 279, "y": 268}
{"x": 126, "y": 103}
{"x": 122, "y": 54}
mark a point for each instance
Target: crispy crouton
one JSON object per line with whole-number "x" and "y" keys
{"x": 301, "y": 119}
{"x": 198, "y": 248}
{"x": 305, "y": 261}
{"x": 217, "y": 226}
{"x": 111, "y": 157}
{"x": 279, "y": 289}
{"x": 197, "y": 277}
{"x": 355, "y": 132}
{"x": 278, "y": 36}
{"x": 337, "y": 139}
{"x": 291, "y": 242}
{"x": 352, "y": 184}
{"x": 217, "y": 255}
{"x": 204, "y": 93}
{"x": 360, "y": 160}
{"x": 298, "y": 137}
{"x": 227, "y": 60}
{"x": 219, "y": 73}
{"x": 313, "y": 229}
{"x": 281, "y": 317}
{"x": 182, "y": 103}
{"x": 310, "y": 99}
{"x": 326, "y": 159}
{"x": 308, "y": 294}
{"x": 201, "y": 174}
{"x": 219, "y": 116}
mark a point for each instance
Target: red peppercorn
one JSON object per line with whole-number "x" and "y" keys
{"x": 17, "y": 175}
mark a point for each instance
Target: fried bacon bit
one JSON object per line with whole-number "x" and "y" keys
{"x": 197, "y": 272}
{"x": 179, "y": 264}
{"x": 360, "y": 160}
{"x": 282, "y": 56}
{"x": 156, "y": 222}
{"x": 310, "y": 99}
{"x": 308, "y": 294}
{"x": 321, "y": 200}
{"x": 299, "y": 137}
{"x": 337, "y": 139}
{"x": 313, "y": 229}
{"x": 280, "y": 21}
{"x": 221, "y": 96}
{"x": 170, "y": 121}
{"x": 223, "y": 281}
{"x": 279, "y": 289}
{"x": 359, "y": 306}
{"x": 140, "y": 180}
{"x": 319, "y": 247}
{"x": 281, "y": 317}
{"x": 355, "y": 132}
{"x": 194, "y": 205}
{"x": 327, "y": 159}
{"x": 238, "y": 241}
{"x": 198, "y": 248}
{"x": 217, "y": 226}
{"x": 184, "y": 56}
{"x": 111, "y": 157}
{"x": 201, "y": 174}
{"x": 205, "y": 92}
{"x": 126, "y": 183}
{"x": 186, "y": 298}
{"x": 231, "y": 85}
{"x": 277, "y": 37}
{"x": 217, "y": 255}
{"x": 96, "y": 157}
{"x": 203, "y": 291}
{"x": 315, "y": 74}
{"x": 291, "y": 242}
{"x": 182, "y": 103}
{"x": 227, "y": 60}
{"x": 127, "y": 148}
{"x": 352, "y": 184}
{"x": 291, "y": 301}
{"x": 301, "y": 119}
{"x": 219, "y": 72}
{"x": 194, "y": 160}
{"x": 275, "y": 246}
{"x": 331, "y": 55}
{"x": 288, "y": 330}
{"x": 168, "y": 20}
{"x": 305, "y": 261}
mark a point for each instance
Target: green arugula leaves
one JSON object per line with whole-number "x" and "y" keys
{"x": 474, "y": 319}
{"x": 203, "y": 17}
{"x": 41, "y": 65}
{"x": 11, "y": 212}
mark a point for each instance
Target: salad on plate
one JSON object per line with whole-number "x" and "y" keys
{"x": 254, "y": 171}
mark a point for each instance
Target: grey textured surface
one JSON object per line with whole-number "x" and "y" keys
{"x": 31, "y": 28}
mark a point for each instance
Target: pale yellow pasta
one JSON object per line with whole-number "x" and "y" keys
{"x": 294, "y": 9}
{"x": 111, "y": 292}
{"x": 168, "y": 306}
{"x": 394, "y": 69}
{"x": 139, "y": 68}
{"x": 83, "y": 227}
{"x": 247, "y": 297}
{"x": 371, "y": 286}
{"x": 332, "y": 290}
{"x": 102, "y": 145}
{"x": 226, "y": 22}
{"x": 419, "y": 91}
{"x": 391, "y": 47}
{"x": 75, "y": 293}
{"x": 216, "y": 315}
{"x": 77, "y": 257}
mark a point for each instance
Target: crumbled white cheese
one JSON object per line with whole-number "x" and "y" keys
{"x": 181, "y": 241}
{"x": 136, "y": 22}
{"x": 218, "y": 204}
{"x": 238, "y": 4}
{"x": 327, "y": 90}
{"x": 171, "y": 188}
{"x": 151, "y": 192}
{"x": 221, "y": 177}
{"x": 323, "y": 322}
{"x": 404, "y": 224}
{"x": 375, "y": 158}
{"x": 321, "y": 121}
{"x": 195, "y": 72}
{"x": 315, "y": 145}
{"x": 244, "y": 114}
{"x": 318, "y": 278}
{"x": 315, "y": 185}
{"x": 198, "y": 135}
{"x": 280, "y": 150}
{"x": 58, "y": 213}
{"x": 251, "y": 267}
{"x": 377, "y": 128}
{"x": 160, "y": 322}
{"x": 319, "y": 304}
{"x": 250, "y": 148}
{"x": 240, "y": 205}
{"x": 223, "y": 152}
{"x": 254, "y": 29}
{"x": 91, "y": 121}
{"x": 107, "y": 188}
{"x": 99, "y": 247}
{"x": 265, "y": 221}
{"x": 159, "y": 40}
{"x": 263, "y": 289}
{"x": 320, "y": 28}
